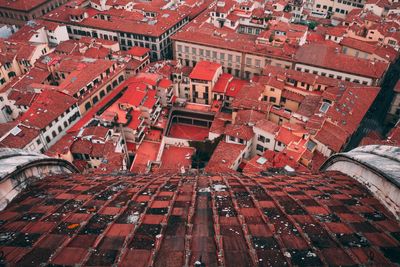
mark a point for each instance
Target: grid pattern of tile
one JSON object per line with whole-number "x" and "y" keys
{"x": 222, "y": 220}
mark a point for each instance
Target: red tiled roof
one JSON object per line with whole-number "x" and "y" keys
{"x": 234, "y": 87}
{"x": 92, "y": 112}
{"x": 323, "y": 56}
{"x": 336, "y": 31}
{"x": 222, "y": 83}
{"x": 134, "y": 95}
{"x": 292, "y": 96}
{"x": 286, "y": 136}
{"x": 352, "y": 106}
{"x": 5, "y": 127}
{"x": 387, "y": 53}
{"x": 249, "y": 98}
{"x": 165, "y": 83}
{"x": 224, "y": 157}
{"x": 22, "y": 98}
{"x": 62, "y": 146}
{"x": 309, "y": 105}
{"x": 239, "y": 131}
{"x": 25, "y": 136}
{"x": 48, "y": 106}
{"x": 204, "y": 70}
{"x": 123, "y": 20}
{"x": 267, "y": 126}
{"x": 218, "y": 126}
{"x": 249, "y": 117}
{"x": 136, "y": 120}
{"x": 138, "y": 51}
{"x": 174, "y": 157}
{"x": 97, "y": 52}
{"x": 81, "y": 146}
{"x": 327, "y": 219}
{"x": 147, "y": 151}
{"x": 333, "y": 136}
{"x": 22, "y": 5}
{"x": 82, "y": 72}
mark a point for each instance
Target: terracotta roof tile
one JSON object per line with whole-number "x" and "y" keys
{"x": 325, "y": 57}
{"x": 323, "y": 219}
{"x": 205, "y": 70}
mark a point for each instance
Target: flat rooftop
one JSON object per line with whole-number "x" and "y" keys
{"x": 189, "y": 132}
{"x": 198, "y": 107}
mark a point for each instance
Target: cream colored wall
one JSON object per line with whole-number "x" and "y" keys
{"x": 291, "y": 105}
{"x": 270, "y": 91}
{"x": 335, "y": 74}
{"x": 238, "y": 62}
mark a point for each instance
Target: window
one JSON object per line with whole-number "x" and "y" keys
{"x": 38, "y": 142}
{"x": 272, "y": 99}
{"x": 47, "y": 139}
{"x": 261, "y": 138}
{"x": 88, "y": 106}
{"x": 260, "y": 148}
{"x": 59, "y": 129}
{"x": 248, "y": 61}
{"x": 11, "y": 74}
{"x": 54, "y": 134}
{"x": 232, "y": 138}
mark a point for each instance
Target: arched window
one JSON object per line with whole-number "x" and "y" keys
{"x": 65, "y": 124}
{"x": 54, "y": 134}
{"x": 47, "y": 139}
{"x": 59, "y": 129}
{"x": 109, "y": 88}
{"x": 121, "y": 78}
{"x": 102, "y": 93}
{"x": 95, "y": 100}
{"x": 11, "y": 74}
{"x": 88, "y": 105}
